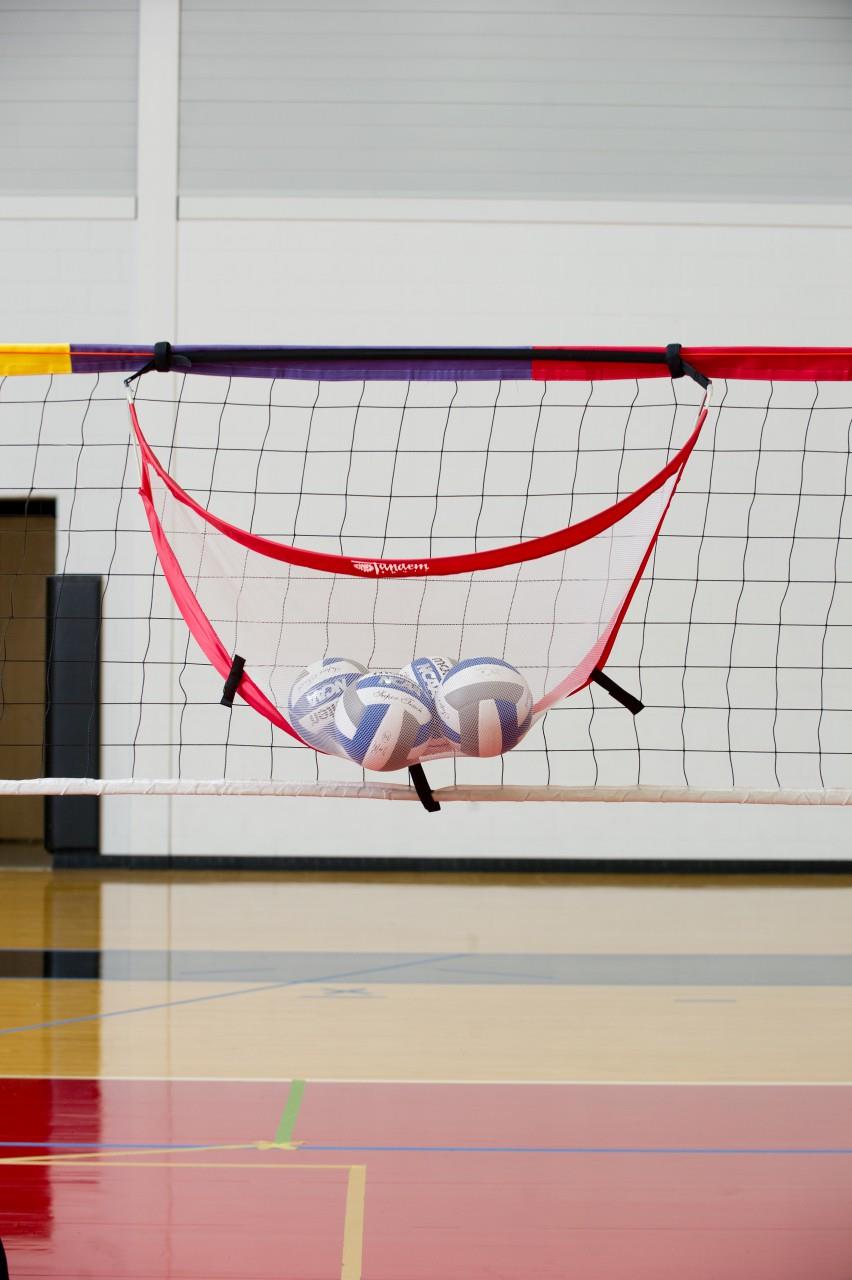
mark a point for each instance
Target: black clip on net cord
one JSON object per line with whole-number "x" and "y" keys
{"x": 678, "y": 367}
{"x": 163, "y": 360}
{"x": 235, "y": 675}
{"x": 424, "y": 791}
{"x": 628, "y": 700}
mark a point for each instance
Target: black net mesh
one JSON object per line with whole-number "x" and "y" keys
{"x": 736, "y": 640}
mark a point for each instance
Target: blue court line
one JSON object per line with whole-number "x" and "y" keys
{"x": 61, "y": 964}
{"x": 226, "y": 995}
{"x": 524, "y": 978}
{"x": 604, "y": 1151}
{"x": 460, "y": 1150}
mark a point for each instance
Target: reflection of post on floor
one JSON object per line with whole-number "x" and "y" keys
{"x": 4, "y": 1270}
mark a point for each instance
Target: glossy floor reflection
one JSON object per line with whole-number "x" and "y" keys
{"x": 411, "y": 1078}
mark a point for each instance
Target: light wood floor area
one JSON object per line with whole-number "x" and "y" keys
{"x": 421, "y": 912}
{"x": 555, "y": 978}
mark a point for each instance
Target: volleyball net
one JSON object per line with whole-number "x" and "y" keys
{"x": 658, "y": 540}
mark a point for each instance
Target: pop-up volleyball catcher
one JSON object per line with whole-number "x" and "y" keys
{"x": 442, "y": 654}
{"x": 483, "y": 561}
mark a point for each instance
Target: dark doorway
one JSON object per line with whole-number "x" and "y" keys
{"x": 27, "y": 558}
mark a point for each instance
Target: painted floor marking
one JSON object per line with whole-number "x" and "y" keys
{"x": 82, "y": 1151}
{"x": 419, "y": 1081}
{"x": 353, "y": 1223}
{"x": 290, "y": 1114}
{"x": 352, "y": 1251}
{"x": 217, "y": 995}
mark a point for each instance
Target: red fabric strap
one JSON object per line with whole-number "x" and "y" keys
{"x": 197, "y": 621}
{"x": 497, "y": 558}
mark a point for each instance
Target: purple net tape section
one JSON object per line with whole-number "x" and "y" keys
{"x": 326, "y": 364}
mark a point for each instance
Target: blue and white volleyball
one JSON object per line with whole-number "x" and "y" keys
{"x": 314, "y": 696}
{"x": 484, "y": 706}
{"x": 381, "y": 718}
{"x": 428, "y": 673}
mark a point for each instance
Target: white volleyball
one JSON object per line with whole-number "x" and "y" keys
{"x": 484, "y": 706}
{"x": 314, "y": 695}
{"x": 428, "y": 672}
{"x": 381, "y": 718}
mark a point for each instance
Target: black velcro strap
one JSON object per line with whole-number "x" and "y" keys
{"x": 693, "y": 373}
{"x": 673, "y": 359}
{"x": 162, "y": 361}
{"x": 235, "y": 675}
{"x": 424, "y": 791}
{"x": 165, "y": 359}
{"x": 678, "y": 367}
{"x": 628, "y": 700}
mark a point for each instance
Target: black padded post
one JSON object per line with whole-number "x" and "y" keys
{"x": 72, "y": 728}
{"x": 4, "y": 1270}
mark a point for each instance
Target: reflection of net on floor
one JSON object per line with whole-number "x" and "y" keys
{"x": 735, "y": 638}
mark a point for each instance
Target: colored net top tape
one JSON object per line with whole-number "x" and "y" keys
{"x": 436, "y": 363}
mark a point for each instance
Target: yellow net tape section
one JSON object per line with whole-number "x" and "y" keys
{"x": 30, "y": 359}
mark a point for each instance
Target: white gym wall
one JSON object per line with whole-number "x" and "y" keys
{"x": 667, "y": 173}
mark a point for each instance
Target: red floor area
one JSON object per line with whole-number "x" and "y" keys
{"x": 463, "y": 1182}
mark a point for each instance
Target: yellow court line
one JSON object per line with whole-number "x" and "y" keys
{"x": 82, "y": 1157}
{"x": 454, "y": 1080}
{"x": 353, "y": 1223}
{"x": 356, "y": 1185}
{"x": 183, "y": 1164}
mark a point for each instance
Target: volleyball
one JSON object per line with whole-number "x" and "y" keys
{"x": 484, "y": 705}
{"x": 428, "y": 673}
{"x": 314, "y": 695}
{"x": 381, "y": 718}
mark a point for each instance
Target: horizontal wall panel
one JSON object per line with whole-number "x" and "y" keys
{"x": 489, "y": 87}
{"x": 661, "y": 8}
{"x": 489, "y": 158}
{"x": 110, "y": 134}
{"x": 449, "y": 47}
{"x": 41, "y": 17}
{"x": 497, "y": 100}
{"x": 417, "y": 183}
{"x": 318, "y": 129}
{"x": 307, "y": 25}
{"x": 68, "y": 92}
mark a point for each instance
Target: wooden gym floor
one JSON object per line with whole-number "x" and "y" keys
{"x": 425, "y": 1078}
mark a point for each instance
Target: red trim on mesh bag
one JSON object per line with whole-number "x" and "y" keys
{"x": 197, "y": 621}
{"x": 497, "y": 558}
{"x": 202, "y": 630}
{"x": 599, "y": 653}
